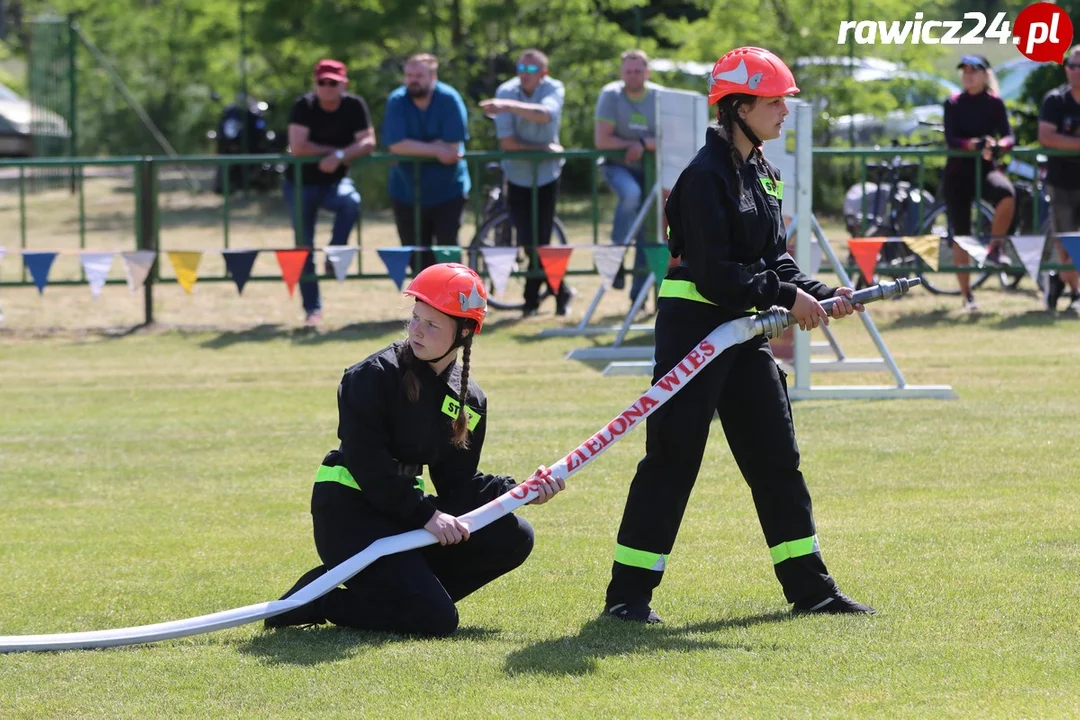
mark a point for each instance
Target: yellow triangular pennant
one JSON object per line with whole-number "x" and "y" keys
{"x": 927, "y": 247}
{"x": 186, "y": 266}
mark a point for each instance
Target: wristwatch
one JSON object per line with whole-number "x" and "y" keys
{"x": 339, "y": 154}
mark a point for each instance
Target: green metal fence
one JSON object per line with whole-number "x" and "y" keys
{"x": 145, "y": 174}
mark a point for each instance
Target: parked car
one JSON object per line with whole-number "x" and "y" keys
{"x": 1012, "y": 75}
{"x": 20, "y": 121}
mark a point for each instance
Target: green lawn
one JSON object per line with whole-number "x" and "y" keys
{"x": 166, "y": 473}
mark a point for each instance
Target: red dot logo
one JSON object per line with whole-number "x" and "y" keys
{"x": 1043, "y": 32}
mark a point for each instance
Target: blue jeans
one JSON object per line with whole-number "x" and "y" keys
{"x": 629, "y": 186}
{"x": 342, "y": 199}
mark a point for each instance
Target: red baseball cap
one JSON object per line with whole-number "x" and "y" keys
{"x": 331, "y": 69}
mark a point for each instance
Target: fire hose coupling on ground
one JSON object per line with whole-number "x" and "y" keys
{"x": 771, "y": 323}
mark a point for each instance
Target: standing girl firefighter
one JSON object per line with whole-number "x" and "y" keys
{"x": 408, "y": 406}
{"x": 727, "y": 230}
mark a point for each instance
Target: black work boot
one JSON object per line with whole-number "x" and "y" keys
{"x": 834, "y": 603}
{"x": 309, "y": 614}
{"x": 633, "y": 613}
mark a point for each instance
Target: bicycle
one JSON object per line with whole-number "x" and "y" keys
{"x": 496, "y": 230}
{"x": 1026, "y": 179}
{"x": 900, "y": 216}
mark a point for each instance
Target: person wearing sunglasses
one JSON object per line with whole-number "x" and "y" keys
{"x": 426, "y": 118}
{"x": 625, "y": 119}
{"x": 1059, "y": 129}
{"x": 976, "y": 119}
{"x": 528, "y": 111}
{"x": 336, "y": 126}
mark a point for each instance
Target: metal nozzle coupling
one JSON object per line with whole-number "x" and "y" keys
{"x": 772, "y": 323}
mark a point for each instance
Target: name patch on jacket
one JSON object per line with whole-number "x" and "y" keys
{"x": 776, "y": 189}
{"x": 451, "y": 407}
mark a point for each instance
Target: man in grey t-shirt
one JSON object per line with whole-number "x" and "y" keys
{"x": 528, "y": 112}
{"x": 626, "y": 120}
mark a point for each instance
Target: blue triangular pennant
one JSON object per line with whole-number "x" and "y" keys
{"x": 396, "y": 261}
{"x": 1071, "y": 241}
{"x": 238, "y": 264}
{"x": 39, "y": 264}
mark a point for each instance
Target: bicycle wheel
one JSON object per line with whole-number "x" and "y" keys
{"x": 937, "y": 223}
{"x": 499, "y": 231}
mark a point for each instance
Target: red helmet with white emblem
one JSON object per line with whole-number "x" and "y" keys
{"x": 452, "y": 288}
{"x": 750, "y": 71}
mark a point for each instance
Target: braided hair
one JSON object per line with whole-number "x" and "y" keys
{"x": 459, "y": 432}
{"x": 727, "y": 117}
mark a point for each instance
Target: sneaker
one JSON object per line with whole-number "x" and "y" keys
{"x": 633, "y": 613}
{"x": 1055, "y": 287}
{"x": 835, "y": 603}
{"x": 305, "y": 615}
{"x": 313, "y": 318}
{"x": 1074, "y": 303}
{"x": 993, "y": 258}
{"x": 562, "y": 304}
{"x": 528, "y": 312}
{"x": 970, "y": 304}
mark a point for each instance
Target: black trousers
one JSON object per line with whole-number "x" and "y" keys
{"x": 439, "y": 225}
{"x": 748, "y": 390}
{"x": 959, "y": 191}
{"x": 414, "y": 592}
{"x": 519, "y": 202}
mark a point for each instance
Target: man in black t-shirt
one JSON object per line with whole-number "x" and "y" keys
{"x": 335, "y": 125}
{"x": 1059, "y": 129}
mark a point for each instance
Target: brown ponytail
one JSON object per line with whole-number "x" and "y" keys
{"x": 459, "y": 433}
{"x": 725, "y": 116}
{"x": 410, "y": 381}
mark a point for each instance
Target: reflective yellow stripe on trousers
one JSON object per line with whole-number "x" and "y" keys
{"x": 683, "y": 289}
{"x": 341, "y": 475}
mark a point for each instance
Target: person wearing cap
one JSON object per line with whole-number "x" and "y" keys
{"x": 426, "y": 118}
{"x": 528, "y": 112}
{"x": 727, "y": 231}
{"x": 335, "y": 126}
{"x": 976, "y": 119}
{"x": 411, "y": 406}
{"x": 1059, "y": 129}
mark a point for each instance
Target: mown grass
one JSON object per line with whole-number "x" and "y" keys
{"x": 166, "y": 473}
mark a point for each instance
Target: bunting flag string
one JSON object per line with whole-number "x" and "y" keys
{"x": 1030, "y": 250}
{"x": 137, "y": 266}
{"x": 96, "y": 265}
{"x": 555, "y": 260}
{"x": 500, "y": 262}
{"x": 186, "y": 266}
{"x": 608, "y": 260}
{"x": 396, "y": 260}
{"x": 291, "y": 263}
{"x": 340, "y": 257}
{"x": 38, "y": 265}
{"x": 238, "y": 264}
{"x": 866, "y": 252}
{"x": 1070, "y": 241}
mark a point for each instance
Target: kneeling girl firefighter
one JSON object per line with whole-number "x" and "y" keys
{"x": 727, "y": 231}
{"x": 408, "y": 406}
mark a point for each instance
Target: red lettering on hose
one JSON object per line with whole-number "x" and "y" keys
{"x": 707, "y": 348}
{"x": 696, "y": 359}
{"x": 669, "y": 381}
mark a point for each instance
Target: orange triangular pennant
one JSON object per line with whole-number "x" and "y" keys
{"x": 555, "y": 261}
{"x": 866, "y": 252}
{"x": 292, "y": 265}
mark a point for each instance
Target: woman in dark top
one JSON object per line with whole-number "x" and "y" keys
{"x": 976, "y": 119}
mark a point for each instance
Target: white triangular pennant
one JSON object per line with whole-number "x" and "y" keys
{"x": 815, "y": 257}
{"x": 972, "y": 247}
{"x": 340, "y": 256}
{"x": 137, "y": 266}
{"x": 1030, "y": 250}
{"x": 96, "y": 265}
{"x": 608, "y": 260}
{"x": 500, "y": 263}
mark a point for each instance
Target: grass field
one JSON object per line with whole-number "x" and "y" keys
{"x": 164, "y": 473}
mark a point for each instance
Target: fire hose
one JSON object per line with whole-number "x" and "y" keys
{"x": 770, "y": 323}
